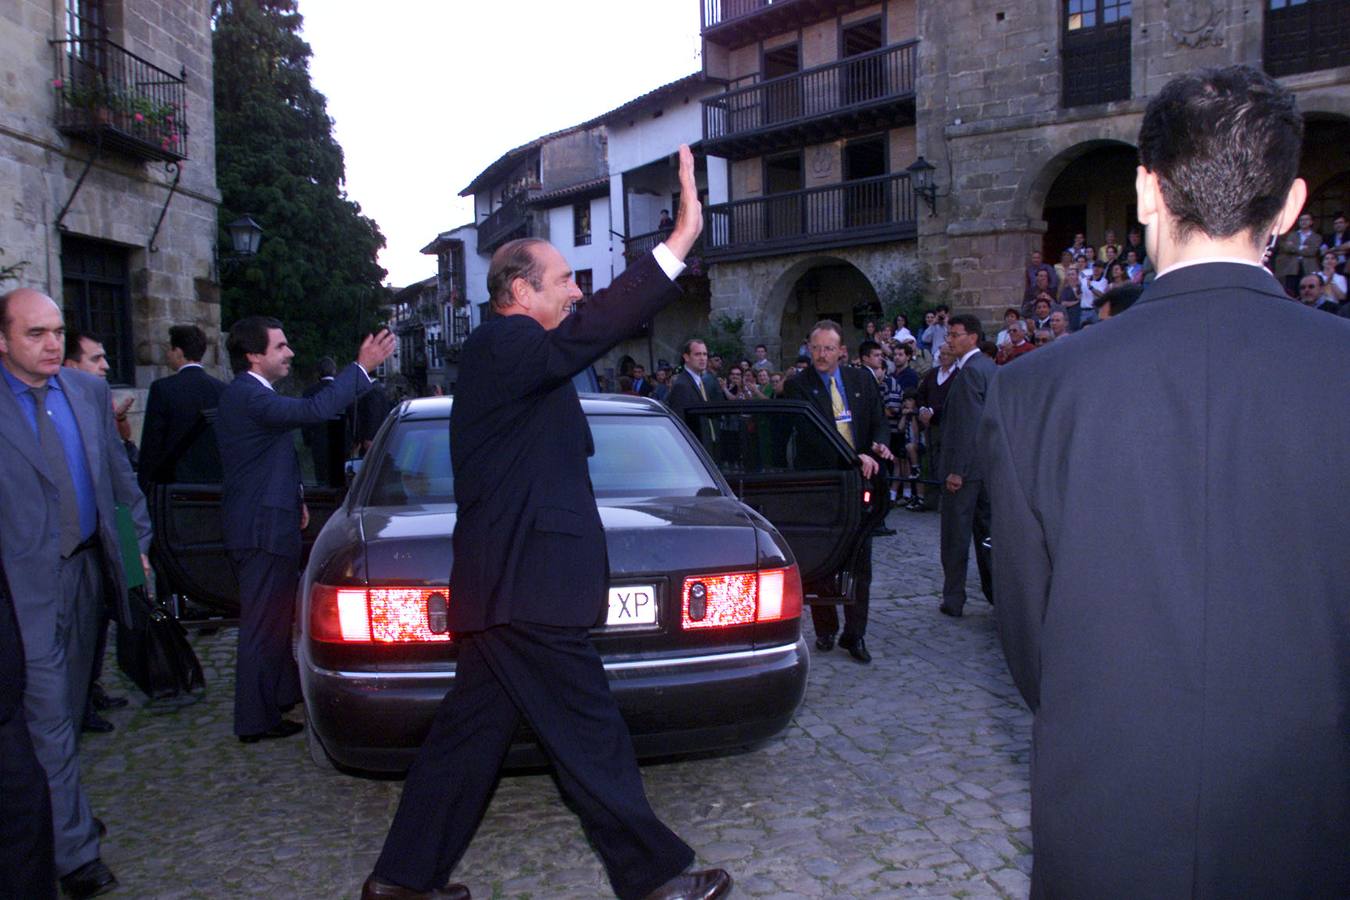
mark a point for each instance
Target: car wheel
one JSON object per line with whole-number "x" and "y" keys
{"x": 317, "y": 754}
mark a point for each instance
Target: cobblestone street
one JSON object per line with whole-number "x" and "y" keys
{"x": 905, "y": 778}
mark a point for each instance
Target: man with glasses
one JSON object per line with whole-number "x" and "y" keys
{"x": 1311, "y": 292}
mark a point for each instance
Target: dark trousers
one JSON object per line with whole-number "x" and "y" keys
{"x": 57, "y": 670}
{"x": 266, "y": 679}
{"x": 26, "y": 865}
{"x": 965, "y": 514}
{"x": 552, "y": 677}
{"x": 826, "y": 616}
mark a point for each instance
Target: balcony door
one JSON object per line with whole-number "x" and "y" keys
{"x": 865, "y": 196}
{"x": 783, "y": 183}
{"x": 782, "y": 99}
{"x": 1095, "y": 53}
{"x": 864, "y": 79}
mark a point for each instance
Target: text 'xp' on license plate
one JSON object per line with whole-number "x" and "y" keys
{"x": 632, "y": 604}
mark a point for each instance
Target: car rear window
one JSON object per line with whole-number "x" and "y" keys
{"x": 634, "y": 456}
{"x": 644, "y": 456}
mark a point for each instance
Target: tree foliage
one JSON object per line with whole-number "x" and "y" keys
{"x": 277, "y": 161}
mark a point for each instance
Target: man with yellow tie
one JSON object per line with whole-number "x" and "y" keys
{"x": 849, "y": 398}
{"x": 692, "y": 384}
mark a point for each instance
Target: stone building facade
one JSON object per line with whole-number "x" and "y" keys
{"x": 1028, "y": 110}
{"x": 1029, "y": 148}
{"x": 107, "y": 170}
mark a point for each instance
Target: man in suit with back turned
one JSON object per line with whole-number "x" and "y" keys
{"x": 263, "y": 510}
{"x": 530, "y": 578}
{"x": 849, "y": 399}
{"x": 965, "y": 497}
{"x": 175, "y": 404}
{"x": 64, "y": 472}
{"x": 1177, "y": 620}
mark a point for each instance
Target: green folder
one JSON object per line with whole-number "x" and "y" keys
{"x": 131, "y": 548}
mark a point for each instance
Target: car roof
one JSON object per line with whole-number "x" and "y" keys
{"x": 591, "y": 404}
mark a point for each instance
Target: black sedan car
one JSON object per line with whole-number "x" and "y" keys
{"x": 702, "y": 638}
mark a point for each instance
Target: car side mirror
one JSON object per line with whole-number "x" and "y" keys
{"x": 352, "y": 467}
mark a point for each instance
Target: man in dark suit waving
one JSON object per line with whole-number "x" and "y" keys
{"x": 965, "y": 498}
{"x": 530, "y": 577}
{"x": 176, "y": 402}
{"x": 848, "y": 398}
{"x": 1178, "y": 622}
{"x": 263, "y": 511}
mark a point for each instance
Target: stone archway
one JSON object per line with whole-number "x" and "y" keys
{"x": 1325, "y": 165}
{"x": 821, "y": 288}
{"x": 1088, "y": 188}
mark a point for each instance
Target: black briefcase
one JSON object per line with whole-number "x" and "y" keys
{"x": 154, "y": 653}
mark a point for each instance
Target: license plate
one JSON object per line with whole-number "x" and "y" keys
{"x": 632, "y": 604}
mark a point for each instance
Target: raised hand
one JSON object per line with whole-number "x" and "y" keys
{"x": 375, "y": 349}
{"x": 689, "y": 217}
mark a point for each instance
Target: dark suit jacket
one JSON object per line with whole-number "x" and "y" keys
{"x": 684, "y": 391}
{"x": 260, "y": 495}
{"x": 1170, "y": 512}
{"x": 961, "y": 419}
{"x": 864, "y": 403}
{"x": 173, "y": 407}
{"x": 11, "y": 656}
{"x": 528, "y": 542}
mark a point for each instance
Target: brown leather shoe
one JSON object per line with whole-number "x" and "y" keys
{"x": 375, "y": 889}
{"x": 704, "y": 885}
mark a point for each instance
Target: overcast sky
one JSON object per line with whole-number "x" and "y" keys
{"x": 427, "y": 93}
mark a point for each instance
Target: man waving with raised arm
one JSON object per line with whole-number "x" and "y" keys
{"x": 529, "y": 580}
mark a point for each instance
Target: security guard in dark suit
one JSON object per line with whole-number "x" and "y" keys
{"x": 530, "y": 579}
{"x": 849, "y": 398}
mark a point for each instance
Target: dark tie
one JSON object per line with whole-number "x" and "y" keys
{"x": 52, "y": 449}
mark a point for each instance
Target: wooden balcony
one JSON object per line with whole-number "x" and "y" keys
{"x": 508, "y": 221}
{"x": 113, "y": 99}
{"x": 867, "y": 211}
{"x": 1306, "y": 37}
{"x": 639, "y": 245}
{"x": 734, "y": 23}
{"x": 852, "y": 96}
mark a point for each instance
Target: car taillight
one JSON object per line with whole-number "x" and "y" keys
{"x": 740, "y": 598}
{"x": 392, "y": 615}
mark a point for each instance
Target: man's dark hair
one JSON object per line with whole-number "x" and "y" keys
{"x": 1120, "y": 298}
{"x": 327, "y": 367}
{"x": 1013, "y": 311}
{"x": 942, "y": 307}
{"x": 190, "y": 339}
{"x": 763, "y": 347}
{"x": 514, "y": 259}
{"x": 75, "y": 352}
{"x": 970, "y": 323}
{"x": 1225, "y": 146}
{"x": 248, "y": 335}
{"x": 867, "y": 347}
{"x": 688, "y": 345}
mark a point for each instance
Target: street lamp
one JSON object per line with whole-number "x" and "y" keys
{"x": 921, "y": 178}
{"x": 245, "y": 236}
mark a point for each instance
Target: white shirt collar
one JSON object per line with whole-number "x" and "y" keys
{"x": 262, "y": 379}
{"x": 960, "y": 363}
{"x": 1209, "y": 259}
{"x": 189, "y": 365}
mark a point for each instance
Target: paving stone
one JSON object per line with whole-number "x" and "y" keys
{"x": 905, "y": 778}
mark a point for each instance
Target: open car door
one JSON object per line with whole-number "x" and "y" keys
{"x": 787, "y": 463}
{"x": 188, "y": 549}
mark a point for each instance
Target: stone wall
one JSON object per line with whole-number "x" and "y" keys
{"x": 121, "y": 198}
{"x": 989, "y": 119}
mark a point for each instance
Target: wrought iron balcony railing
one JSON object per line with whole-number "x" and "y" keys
{"x": 864, "y": 211}
{"x": 853, "y": 85}
{"x": 717, "y": 12}
{"x": 112, "y": 98}
{"x": 507, "y": 221}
